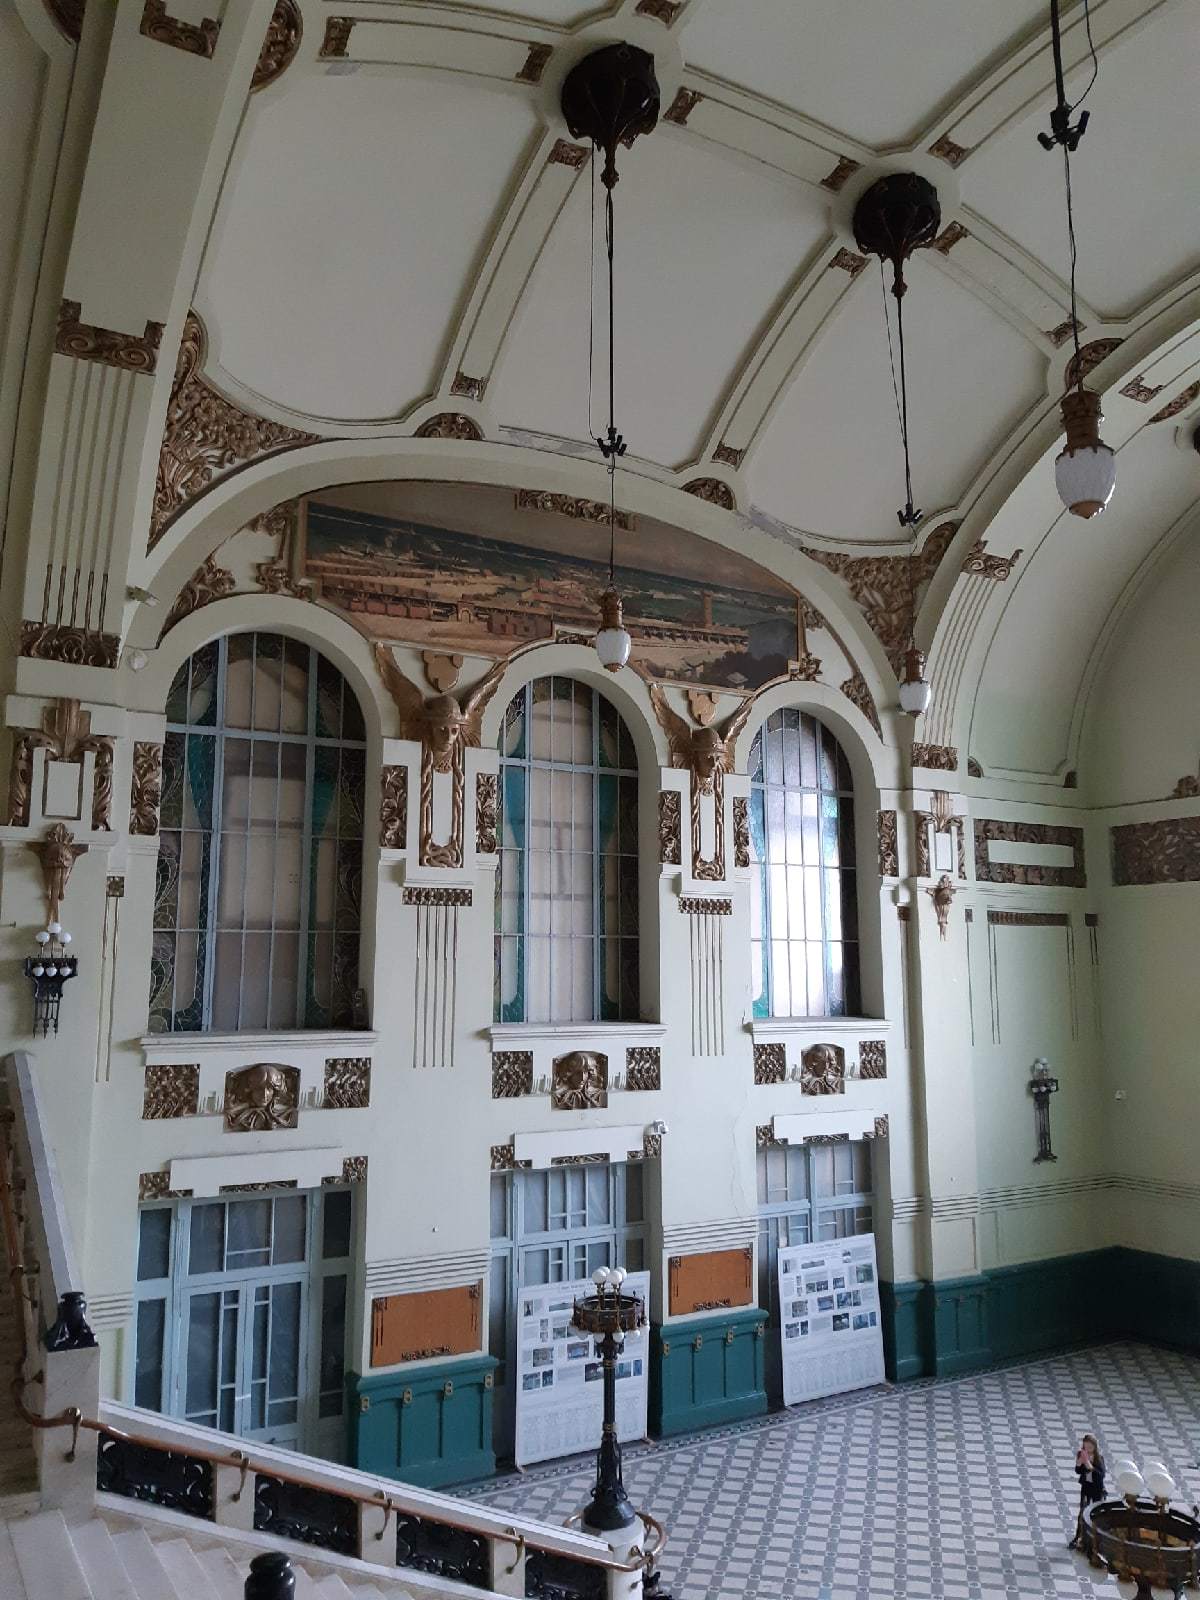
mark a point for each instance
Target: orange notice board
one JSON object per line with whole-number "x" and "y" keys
{"x": 432, "y": 1322}
{"x": 717, "y": 1278}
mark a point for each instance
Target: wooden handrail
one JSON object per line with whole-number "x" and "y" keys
{"x": 382, "y": 1499}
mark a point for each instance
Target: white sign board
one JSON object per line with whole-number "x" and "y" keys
{"x": 559, "y": 1379}
{"x": 829, "y": 1322}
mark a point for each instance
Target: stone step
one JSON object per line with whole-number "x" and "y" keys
{"x": 146, "y": 1571}
{"x": 49, "y": 1567}
{"x": 224, "y": 1574}
{"x": 101, "y": 1562}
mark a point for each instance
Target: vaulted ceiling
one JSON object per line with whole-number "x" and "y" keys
{"x": 404, "y": 229}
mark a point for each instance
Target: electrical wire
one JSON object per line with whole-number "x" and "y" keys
{"x": 1087, "y": 22}
{"x": 899, "y": 390}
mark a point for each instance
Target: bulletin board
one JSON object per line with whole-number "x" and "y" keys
{"x": 559, "y": 1381}
{"x": 830, "y": 1328}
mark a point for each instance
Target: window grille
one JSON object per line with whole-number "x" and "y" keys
{"x": 566, "y": 945}
{"x": 258, "y": 899}
{"x": 808, "y": 1193}
{"x": 804, "y": 889}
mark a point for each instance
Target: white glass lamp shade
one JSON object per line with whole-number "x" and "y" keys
{"x": 64, "y": 937}
{"x": 1085, "y": 471}
{"x": 613, "y": 643}
{"x": 600, "y": 1277}
{"x": 54, "y": 927}
{"x": 43, "y": 937}
{"x": 39, "y": 970}
{"x": 1158, "y": 1480}
{"x": 915, "y": 691}
{"x": 1130, "y": 1481}
{"x": 915, "y": 697}
{"x": 618, "y": 1274}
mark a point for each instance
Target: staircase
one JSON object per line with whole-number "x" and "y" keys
{"x": 45, "y": 1557}
{"x": 18, "y": 1474}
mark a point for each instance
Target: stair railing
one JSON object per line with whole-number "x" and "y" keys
{"x": 143, "y": 1456}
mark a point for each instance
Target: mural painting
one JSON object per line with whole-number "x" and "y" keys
{"x": 697, "y": 615}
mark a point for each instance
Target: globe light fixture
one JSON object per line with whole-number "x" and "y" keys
{"x": 915, "y": 690}
{"x": 1085, "y": 470}
{"x": 897, "y": 215}
{"x": 613, "y": 643}
{"x": 610, "y": 97}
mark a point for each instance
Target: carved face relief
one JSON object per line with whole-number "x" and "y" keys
{"x": 444, "y": 721}
{"x": 822, "y": 1071}
{"x": 708, "y": 758}
{"x": 580, "y": 1081}
{"x": 261, "y": 1097}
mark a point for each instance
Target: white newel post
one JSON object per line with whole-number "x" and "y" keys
{"x": 66, "y": 1476}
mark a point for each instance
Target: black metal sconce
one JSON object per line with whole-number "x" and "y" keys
{"x": 48, "y": 972}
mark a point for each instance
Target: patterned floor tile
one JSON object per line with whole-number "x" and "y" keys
{"x": 955, "y": 1489}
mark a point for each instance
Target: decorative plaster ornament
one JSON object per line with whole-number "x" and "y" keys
{"x": 444, "y": 727}
{"x": 942, "y": 895}
{"x": 58, "y": 854}
{"x": 580, "y": 1081}
{"x": 707, "y": 753}
{"x": 262, "y": 1097}
{"x": 823, "y": 1070}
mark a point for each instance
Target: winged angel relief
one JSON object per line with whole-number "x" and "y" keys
{"x": 444, "y": 727}
{"x": 707, "y": 753}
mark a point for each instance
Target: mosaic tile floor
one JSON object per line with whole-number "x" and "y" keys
{"x": 960, "y": 1487}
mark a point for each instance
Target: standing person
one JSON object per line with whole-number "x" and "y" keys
{"x": 1089, "y": 1468}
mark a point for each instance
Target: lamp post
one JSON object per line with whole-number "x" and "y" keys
{"x": 608, "y": 1315}
{"x": 1142, "y": 1538}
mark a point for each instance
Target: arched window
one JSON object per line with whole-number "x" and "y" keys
{"x": 804, "y": 902}
{"x": 567, "y": 888}
{"x": 257, "y": 908}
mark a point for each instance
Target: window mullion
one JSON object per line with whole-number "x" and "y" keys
{"x": 307, "y": 933}
{"x": 213, "y": 875}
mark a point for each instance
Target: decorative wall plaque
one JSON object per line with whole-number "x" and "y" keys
{"x": 347, "y": 1083}
{"x": 145, "y": 797}
{"x": 1072, "y": 877}
{"x": 393, "y": 807}
{"x": 487, "y": 800}
{"x": 670, "y": 827}
{"x": 709, "y": 1280}
{"x": 643, "y": 1067}
{"x": 263, "y": 1097}
{"x": 512, "y": 1074}
{"x": 872, "y": 1058}
{"x": 57, "y": 853}
{"x": 171, "y": 1091}
{"x": 450, "y": 425}
{"x": 580, "y": 1081}
{"x": 770, "y": 1063}
{"x": 823, "y": 1069}
{"x": 77, "y": 647}
{"x": 889, "y": 847}
{"x": 942, "y": 895}
{"x": 1167, "y": 851}
{"x": 428, "y": 1322}
{"x": 65, "y": 735}
{"x": 936, "y": 757}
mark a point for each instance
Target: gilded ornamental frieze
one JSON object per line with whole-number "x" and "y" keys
{"x": 206, "y": 436}
{"x": 880, "y": 585}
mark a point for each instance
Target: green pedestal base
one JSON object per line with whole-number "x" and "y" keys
{"x": 431, "y": 1426}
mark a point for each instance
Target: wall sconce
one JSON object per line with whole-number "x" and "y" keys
{"x": 48, "y": 971}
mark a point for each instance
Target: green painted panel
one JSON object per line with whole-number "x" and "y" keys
{"x": 431, "y": 1427}
{"x": 905, "y": 1335}
{"x": 707, "y": 1370}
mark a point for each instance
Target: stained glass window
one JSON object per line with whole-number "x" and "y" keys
{"x": 258, "y": 900}
{"x": 804, "y": 889}
{"x": 566, "y": 946}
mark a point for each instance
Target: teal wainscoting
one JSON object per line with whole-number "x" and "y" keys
{"x": 1051, "y": 1305}
{"x": 962, "y": 1324}
{"x": 905, "y": 1331}
{"x": 1156, "y": 1298}
{"x": 431, "y": 1426}
{"x": 707, "y": 1370}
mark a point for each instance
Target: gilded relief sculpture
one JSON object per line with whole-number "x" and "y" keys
{"x": 445, "y": 727}
{"x": 707, "y": 753}
{"x": 58, "y": 854}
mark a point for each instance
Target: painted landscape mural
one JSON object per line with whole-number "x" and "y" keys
{"x": 487, "y": 593}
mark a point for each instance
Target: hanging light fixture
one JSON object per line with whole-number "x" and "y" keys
{"x": 1085, "y": 471}
{"x": 610, "y": 97}
{"x": 897, "y": 215}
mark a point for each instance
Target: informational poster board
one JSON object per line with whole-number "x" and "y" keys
{"x": 829, "y": 1323}
{"x": 559, "y": 1379}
